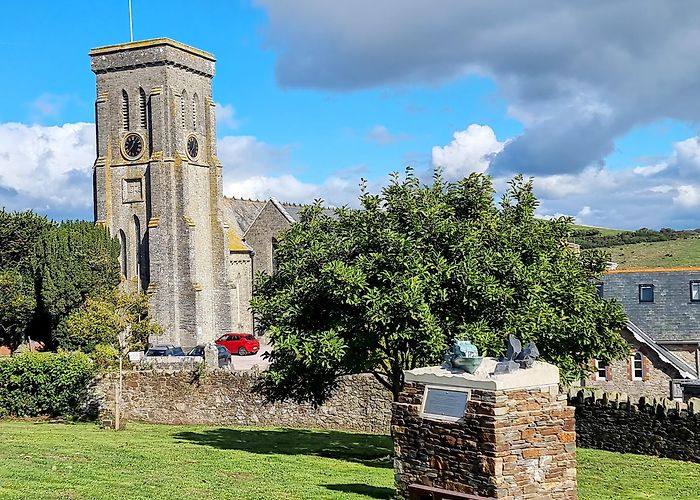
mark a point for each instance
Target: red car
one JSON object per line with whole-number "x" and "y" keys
{"x": 239, "y": 343}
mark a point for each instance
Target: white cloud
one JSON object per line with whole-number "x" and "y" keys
{"x": 226, "y": 116}
{"x": 471, "y": 150}
{"x": 379, "y": 134}
{"x": 245, "y": 155}
{"x": 47, "y": 169}
{"x": 571, "y": 72}
{"x": 687, "y": 196}
{"x": 665, "y": 193}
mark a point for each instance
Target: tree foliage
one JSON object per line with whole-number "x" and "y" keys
{"x": 388, "y": 287}
{"x": 72, "y": 261}
{"x": 17, "y": 306}
{"x": 19, "y": 232}
{"x": 593, "y": 238}
{"x": 33, "y": 384}
{"x": 98, "y": 322}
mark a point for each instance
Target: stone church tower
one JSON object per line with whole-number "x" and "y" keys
{"x": 158, "y": 183}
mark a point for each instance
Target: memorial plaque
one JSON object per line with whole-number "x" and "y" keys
{"x": 445, "y": 403}
{"x": 132, "y": 190}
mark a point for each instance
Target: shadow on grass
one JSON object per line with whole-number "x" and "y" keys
{"x": 362, "y": 489}
{"x": 367, "y": 449}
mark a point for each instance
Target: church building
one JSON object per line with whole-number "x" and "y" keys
{"x": 157, "y": 186}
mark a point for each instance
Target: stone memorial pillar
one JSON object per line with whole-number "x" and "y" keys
{"x": 509, "y": 435}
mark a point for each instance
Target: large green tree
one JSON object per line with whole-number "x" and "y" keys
{"x": 389, "y": 286}
{"x": 72, "y": 261}
{"x": 19, "y": 232}
{"x": 17, "y": 306}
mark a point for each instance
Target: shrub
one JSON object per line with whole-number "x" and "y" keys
{"x": 100, "y": 319}
{"x": 105, "y": 356}
{"x": 33, "y": 384}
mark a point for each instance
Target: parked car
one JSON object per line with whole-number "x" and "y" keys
{"x": 239, "y": 343}
{"x": 164, "y": 350}
{"x": 224, "y": 355}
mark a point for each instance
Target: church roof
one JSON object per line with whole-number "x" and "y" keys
{"x": 240, "y": 213}
{"x": 235, "y": 243}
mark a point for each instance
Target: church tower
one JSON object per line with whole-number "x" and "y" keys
{"x": 158, "y": 183}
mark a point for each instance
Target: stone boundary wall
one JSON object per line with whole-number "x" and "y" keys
{"x": 659, "y": 427}
{"x": 221, "y": 397}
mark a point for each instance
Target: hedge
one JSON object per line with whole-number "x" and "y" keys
{"x": 33, "y": 384}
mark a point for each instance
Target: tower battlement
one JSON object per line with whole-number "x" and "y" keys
{"x": 156, "y": 52}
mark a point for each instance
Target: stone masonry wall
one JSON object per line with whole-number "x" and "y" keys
{"x": 268, "y": 224}
{"x": 613, "y": 422}
{"x": 510, "y": 444}
{"x": 225, "y": 398}
{"x": 656, "y": 380}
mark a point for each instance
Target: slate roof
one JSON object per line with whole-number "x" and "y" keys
{"x": 672, "y": 317}
{"x": 685, "y": 370}
{"x": 294, "y": 211}
{"x": 240, "y": 213}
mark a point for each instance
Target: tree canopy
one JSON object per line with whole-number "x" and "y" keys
{"x": 389, "y": 286}
{"x": 72, "y": 261}
{"x": 99, "y": 321}
{"x": 47, "y": 270}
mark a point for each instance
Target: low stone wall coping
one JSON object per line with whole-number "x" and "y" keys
{"x": 540, "y": 375}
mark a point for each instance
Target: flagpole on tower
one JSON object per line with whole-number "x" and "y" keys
{"x": 131, "y": 26}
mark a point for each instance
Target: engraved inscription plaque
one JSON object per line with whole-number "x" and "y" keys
{"x": 132, "y": 190}
{"x": 445, "y": 403}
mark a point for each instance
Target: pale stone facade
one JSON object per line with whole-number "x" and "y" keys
{"x": 192, "y": 250}
{"x": 161, "y": 198}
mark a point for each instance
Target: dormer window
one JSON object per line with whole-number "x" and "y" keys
{"x": 695, "y": 291}
{"x": 646, "y": 293}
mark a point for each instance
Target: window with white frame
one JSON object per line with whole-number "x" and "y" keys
{"x": 695, "y": 291}
{"x": 601, "y": 370}
{"x": 638, "y": 366}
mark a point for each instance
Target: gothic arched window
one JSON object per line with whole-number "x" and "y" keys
{"x": 143, "y": 102}
{"x": 137, "y": 247}
{"x": 183, "y": 109}
{"x": 273, "y": 255}
{"x": 125, "y": 110}
{"x": 194, "y": 112}
{"x": 122, "y": 252}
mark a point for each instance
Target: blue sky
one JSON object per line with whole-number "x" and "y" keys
{"x": 313, "y": 95}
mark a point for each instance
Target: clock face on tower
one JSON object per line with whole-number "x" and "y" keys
{"x": 133, "y": 146}
{"x": 192, "y": 147}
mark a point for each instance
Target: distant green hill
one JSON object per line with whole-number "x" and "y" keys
{"x": 596, "y": 237}
{"x": 673, "y": 253}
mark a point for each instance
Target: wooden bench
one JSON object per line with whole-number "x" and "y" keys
{"x": 422, "y": 492}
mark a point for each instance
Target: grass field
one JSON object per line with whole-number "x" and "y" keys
{"x": 80, "y": 461}
{"x": 673, "y": 253}
{"x": 603, "y": 230}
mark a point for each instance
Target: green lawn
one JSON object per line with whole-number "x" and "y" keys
{"x": 80, "y": 461}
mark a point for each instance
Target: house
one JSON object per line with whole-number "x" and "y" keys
{"x": 663, "y": 328}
